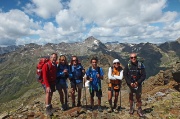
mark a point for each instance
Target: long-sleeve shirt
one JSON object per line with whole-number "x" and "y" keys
{"x": 49, "y": 71}
{"x": 114, "y": 77}
{"x": 129, "y": 72}
{"x": 76, "y": 73}
{"x": 61, "y": 76}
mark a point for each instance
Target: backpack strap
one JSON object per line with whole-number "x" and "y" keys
{"x": 90, "y": 70}
{"x": 82, "y": 74}
{"x": 48, "y": 66}
{"x": 129, "y": 64}
{"x": 98, "y": 70}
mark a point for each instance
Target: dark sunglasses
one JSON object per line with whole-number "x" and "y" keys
{"x": 133, "y": 57}
{"x": 116, "y": 63}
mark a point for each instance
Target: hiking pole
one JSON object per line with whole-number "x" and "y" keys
{"x": 85, "y": 90}
{"x": 84, "y": 94}
{"x": 85, "y": 97}
{"x": 120, "y": 99}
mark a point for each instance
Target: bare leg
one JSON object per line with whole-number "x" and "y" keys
{"x": 73, "y": 96}
{"x": 116, "y": 99}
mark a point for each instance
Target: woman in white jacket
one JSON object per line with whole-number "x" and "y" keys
{"x": 115, "y": 76}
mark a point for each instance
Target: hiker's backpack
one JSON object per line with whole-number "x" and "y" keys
{"x": 39, "y": 67}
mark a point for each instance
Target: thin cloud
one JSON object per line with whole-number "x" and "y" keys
{"x": 45, "y": 9}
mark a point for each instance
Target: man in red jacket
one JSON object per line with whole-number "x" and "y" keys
{"x": 49, "y": 78}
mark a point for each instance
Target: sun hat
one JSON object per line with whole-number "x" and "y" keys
{"x": 115, "y": 61}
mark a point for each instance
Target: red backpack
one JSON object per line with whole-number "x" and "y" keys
{"x": 39, "y": 67}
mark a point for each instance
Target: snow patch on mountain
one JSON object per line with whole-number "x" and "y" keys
{"x": 96, "y": 42}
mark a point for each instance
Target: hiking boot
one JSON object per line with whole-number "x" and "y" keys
{"x": 73, "y": 105}
{"x": 131, "y": 111}
{"x": 139, "y": 112}
{"x": 63, "y": 107}
{"x": 109, "y": 110}
{"x": 78, "y": 104}
{"x": 50, "y": 106}
{"x": 100, "y": 109}
{"x": 48, "y": 110}
{"x": 115, "y": 110}
{"x": 91, "y": 108}
{"x": 66, "y": 106}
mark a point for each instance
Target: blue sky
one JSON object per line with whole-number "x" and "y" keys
{"x": 131, "y": 21}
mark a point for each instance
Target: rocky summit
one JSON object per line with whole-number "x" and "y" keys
{"x": 21, "y": 96}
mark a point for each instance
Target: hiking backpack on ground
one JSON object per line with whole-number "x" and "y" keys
{"x": 39, "y": 67}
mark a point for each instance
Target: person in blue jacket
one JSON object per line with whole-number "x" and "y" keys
{"x": 76, "y": 73}
{"x": 61, "y": 82}
{"x": 95, "y": 75}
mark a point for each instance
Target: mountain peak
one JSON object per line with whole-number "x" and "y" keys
{"x": 90, "y": 38}
{"x": 93, "y": 41}
{"x": 178, "y": 40}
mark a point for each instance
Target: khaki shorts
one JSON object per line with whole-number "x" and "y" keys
{"x": 136, "y": 91}
{"x": 78, "y": 85}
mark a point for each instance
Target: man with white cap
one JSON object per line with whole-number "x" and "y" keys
{"x": 115, "y": 76}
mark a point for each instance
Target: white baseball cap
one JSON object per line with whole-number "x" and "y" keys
{"x": 115, "y": 61}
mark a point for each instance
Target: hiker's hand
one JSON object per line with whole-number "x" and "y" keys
{"x": 98, "y": 76}
{"x": 48, "y": 90}
{"x": 90, "y": 79}
{"x": 135, "y": 85}
{"x": 65, "y": 71}
{"x": 83, "y": 71}
{"x": 132, "y": 85}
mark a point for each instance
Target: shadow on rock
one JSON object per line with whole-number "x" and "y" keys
{"x": 148, "y": 110}
{"x": 177, "y": 87}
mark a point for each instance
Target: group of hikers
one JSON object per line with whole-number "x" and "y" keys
{"x": 56, "y": 73}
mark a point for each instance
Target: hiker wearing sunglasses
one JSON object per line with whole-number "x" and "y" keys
{"x": 76, "y": 73}
{"x": 115, "y": 75}
{"x": 61, "y": 82}
{"x": 135, "y": 74}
